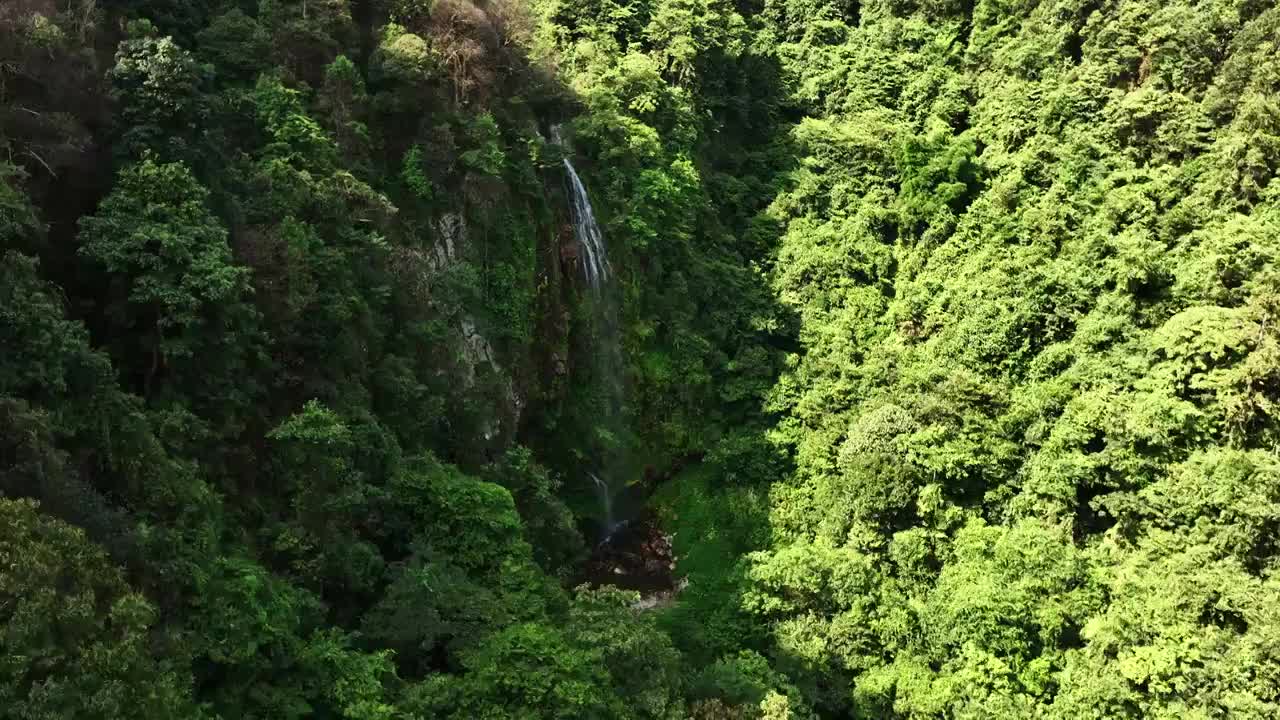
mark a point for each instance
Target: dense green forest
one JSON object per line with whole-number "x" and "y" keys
{"x": 935, "y": 336}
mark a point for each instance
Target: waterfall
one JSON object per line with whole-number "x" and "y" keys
{"x": 595, "y": 260}
{"x": 595, "y": 263}
{"x": 605, "y": 346}
{"x": 605, "y": 495}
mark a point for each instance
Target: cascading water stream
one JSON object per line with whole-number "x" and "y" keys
{"x": 595, "y": 264}
{"x": 631, "y": 550}
{"x": 595, "y": 259}
{"x": 605, "y": 495}
{"x": 596, "y": 270}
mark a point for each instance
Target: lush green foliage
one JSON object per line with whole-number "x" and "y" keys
{"x": 75, "y": 635}
{"x": 1029, "y": 245}
{"x": 297, "y": 389}
{"x": 951, "y": 326}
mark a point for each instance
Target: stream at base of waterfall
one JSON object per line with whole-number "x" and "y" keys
{"x": 637, "y": 556}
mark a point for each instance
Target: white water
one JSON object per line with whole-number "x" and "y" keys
{"x": 595, "y": 263}
{"x": 605, "y": 495}
{"x": 594, "y": 259}
{"x": 591, "y": 248}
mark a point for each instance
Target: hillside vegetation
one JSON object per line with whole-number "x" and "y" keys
{"x": 945, "y": 337}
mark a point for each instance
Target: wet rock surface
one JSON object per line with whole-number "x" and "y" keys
{"x": 636, "y": 556}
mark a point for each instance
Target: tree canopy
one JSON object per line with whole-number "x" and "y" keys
{"x": 940, "y": 346}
